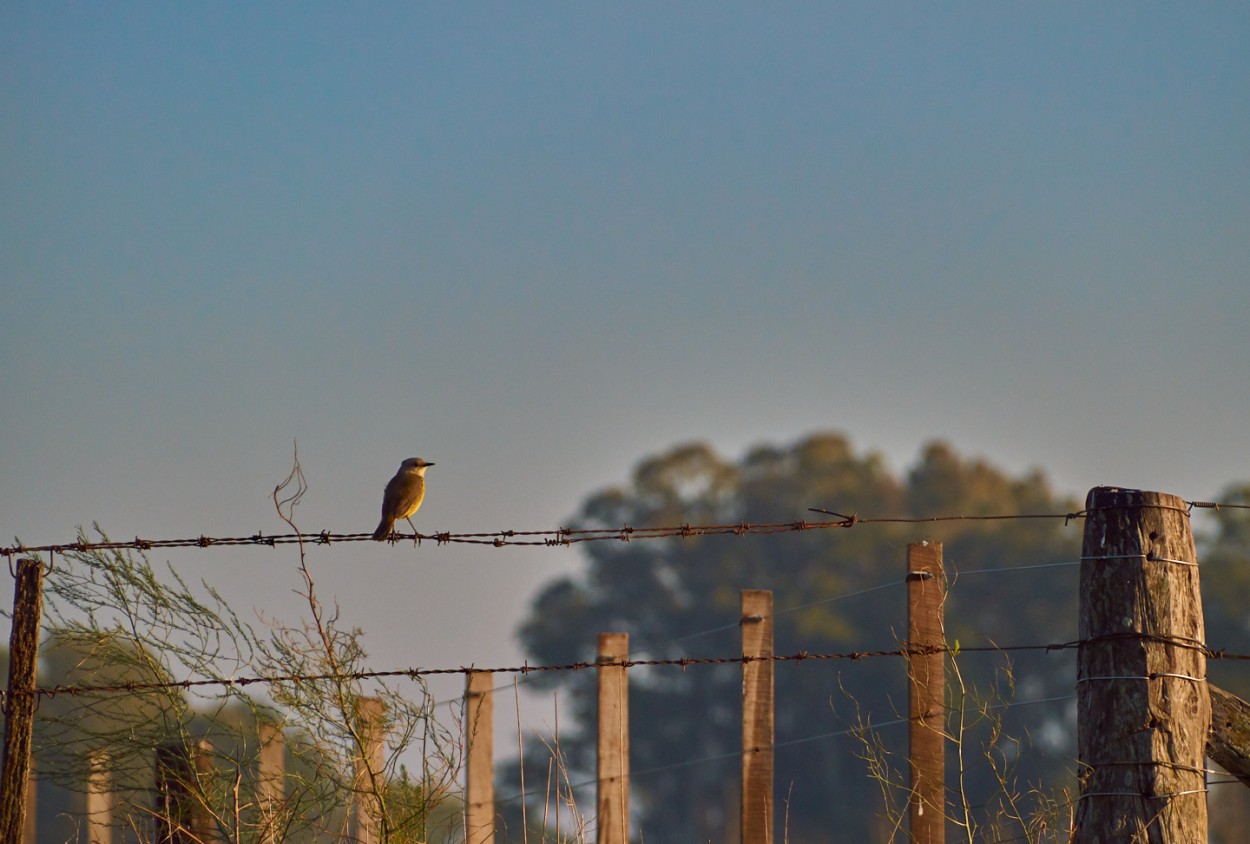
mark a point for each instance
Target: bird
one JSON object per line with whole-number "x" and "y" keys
{"x": 403, "y": 496}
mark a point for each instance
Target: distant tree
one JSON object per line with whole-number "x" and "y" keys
{"x": 680, "y": 597}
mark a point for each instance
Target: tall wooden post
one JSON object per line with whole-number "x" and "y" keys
{"x": 270, "y": 781}
{"x": 1143, "y": 707}
{"x": 19, "y": 712}
{"x": 172, "y": 812}
{"x": 926, "y": 692}
{"x": 203, "y": 822}
{"x": 99, "y": 799}
{"x": 370, "y": 786}
{"x": 757, "y": 717}
{"x": 479, "y": 741}
{"x": 613, "y": 748}
{"x": 183, "y": 777}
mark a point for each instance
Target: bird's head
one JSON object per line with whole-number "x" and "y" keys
{"x": 416, "y": 464}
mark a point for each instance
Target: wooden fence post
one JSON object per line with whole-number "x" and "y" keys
{"x": 1143, "y": 707}
{"x": 613, "y": 748}
{"x": 182, "y": 774}
{"x": 926, "y": 692}
{"x": 479, "y": 754}
{"x": 99, "y": 799}
{"x": 19, "y": 707}
{"x": 1229, "y": 741}
{"x": 370, "y": 785}
{"x": 757, "y": 717}
{"x": 270, "y": 781}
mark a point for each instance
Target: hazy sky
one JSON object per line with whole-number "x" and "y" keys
{"x": 536, "y": 242}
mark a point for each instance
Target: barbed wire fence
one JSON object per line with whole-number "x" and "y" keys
{"x": 559, "y": 537}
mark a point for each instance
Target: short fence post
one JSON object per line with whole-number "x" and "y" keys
{"x": 757, "y": 717}
{"x": 1143, "y": 708}
{"x": 613, "y": 746}
{"x": 19, "y": 705}
{"x": 926, "y": 692}
{"x": 270, "y": 781}
{"x": 181, "y": 776}
{"x": 370, "y": 786}
{"x": 479, "y": 741}
{"x": 99, "y": 799}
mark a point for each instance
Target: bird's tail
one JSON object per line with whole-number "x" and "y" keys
{"x": 384, "y": 529}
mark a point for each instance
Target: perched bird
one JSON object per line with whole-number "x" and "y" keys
{"x": 403, "y": 496}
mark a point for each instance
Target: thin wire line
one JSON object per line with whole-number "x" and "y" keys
{"x": 645, "y": 649}
{"x": 964, "y": 572}
{"x": 776, "y": 613}
{"x": 688, "y": 763}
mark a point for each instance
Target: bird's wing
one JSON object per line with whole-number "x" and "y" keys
{"x": 403, "y": 496}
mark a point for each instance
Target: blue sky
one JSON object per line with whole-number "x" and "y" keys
{"x": 535, "y": 242}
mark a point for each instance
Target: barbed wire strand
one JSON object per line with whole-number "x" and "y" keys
{"x": 526, "y": 668}
{"x": 559, "y": 537}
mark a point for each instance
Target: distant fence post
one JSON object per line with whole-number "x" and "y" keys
{"x": 1143, "y": 707}
{"x": 613, "y": 748}
{"x": 757, "y": 717}
{"x": 270, "y": 781}
{"x": 99, "y": 799}
{"x": 926, "y": 692}
{"x": 371, "y": 722}
{"x": 479, "y": 753}
{"x": 19, "y": 704}
{"x": 181, "y": 817}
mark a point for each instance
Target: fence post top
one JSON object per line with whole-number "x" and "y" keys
{"x": 1114, "y": 498}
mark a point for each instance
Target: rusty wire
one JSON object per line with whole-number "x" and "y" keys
{"x": 526, "y": 668}
{"x": 557, "y": 538}
{"x": 560, "y": 537}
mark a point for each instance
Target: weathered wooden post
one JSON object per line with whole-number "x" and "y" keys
{"x": 99, "y": 799}
{"x": 613, "y": 747}
{"x": 757, "y": 717}
{"x": 19, "y": 707}
{"x": 183, "y": 775}
{"x": 926, "y": 692}
{"x": 270, "y": 781}
{"x": 370, "y": 786}
{"x": 1142, "y": 703}
{"x": 479, "y": 755}
{"x": 1229, "y": 741}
